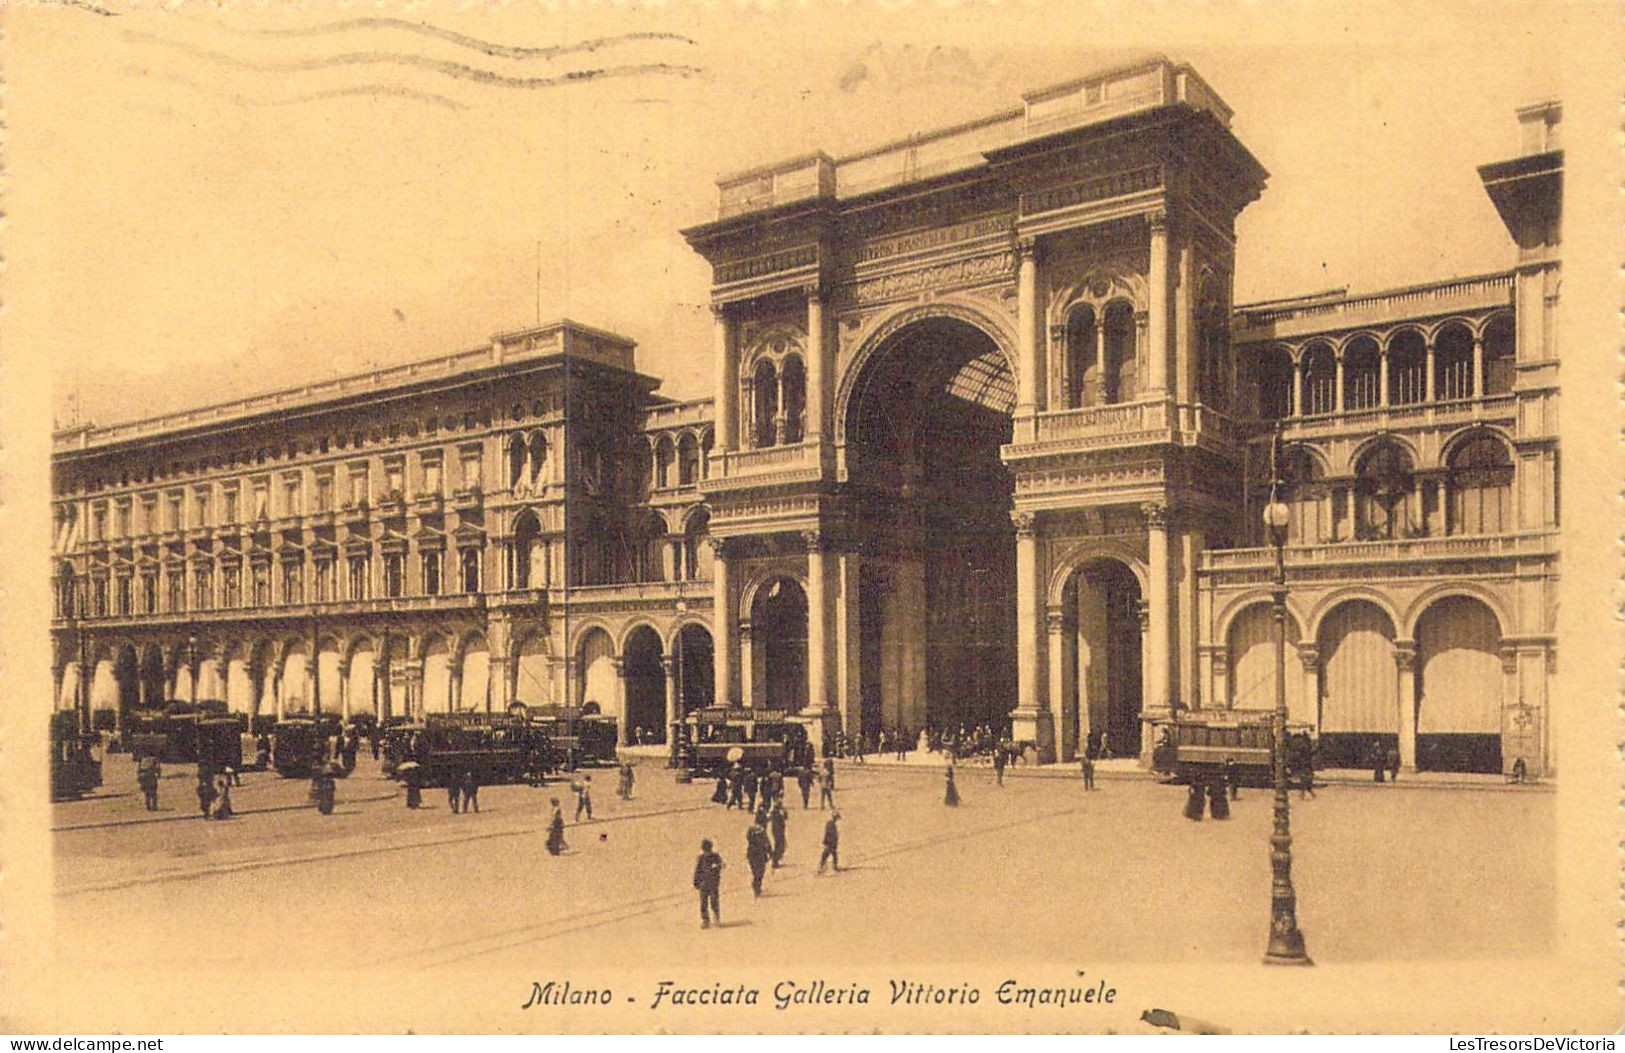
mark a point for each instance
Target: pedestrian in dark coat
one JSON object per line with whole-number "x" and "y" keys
{"x": 708, "y": 882}
{"x": 1393, "y": 764}
{"x": 721, "y": 795}
{"x": 751, "y": 786}
{"x": 262, "y": 752}
{"x": 1088, "y": 766}
{"x": 414, "y": 789}
{"x": 951, "y": 796}
{"x": 327, "y": 790}
{"x": 832, "y": 843}
{"x": 471, "y": 791}
{"x": 999, "y": 760}
{"x": 146, "y": 773}
{"x": 1218, "y": 806}
{"x": 757, "y": 854}
{"x": 736, "y": 786}
{"x": 829, "y": 773}
{"x": 804, "y": 779}
{"x": 205, "y": 792}
{"x": 1379, "y": 763}
{"x": 555, "y": 830}
{"x": 1232, "y": 779}
{"x": 373, "y": 739}
{"x": 775, "y": 824}
{"x": 1194, "y": 804}
{"x": 454, "y": 794}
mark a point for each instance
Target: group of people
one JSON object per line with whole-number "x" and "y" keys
{"x": 764, "y": 846}
{"x": 463, "y": 792}
{"x": 213, "y": 790}
{"x": 739, "y": 785}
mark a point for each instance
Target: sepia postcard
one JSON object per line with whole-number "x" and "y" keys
{"x": 818, "y": 518}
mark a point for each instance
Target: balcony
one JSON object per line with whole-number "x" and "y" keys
{"x": 1361, "y": 556}
{"x": 461, "y": 601}
{"x": 698, "y": 591}
{"x": 1104, "y": 423}
{"x": 468, "y": 499}
{"x": 1503, "y": 408}
{"x": 769, "y": 465}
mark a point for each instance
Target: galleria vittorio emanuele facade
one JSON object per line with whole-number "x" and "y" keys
{"x": 988, "y": 443}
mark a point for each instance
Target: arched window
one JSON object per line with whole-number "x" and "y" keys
{"x": 1407, "y": 368}
{"x": 1082, "y": 376}
{"x": 696, "y": 555}
{"x": 1453, "y": 363}
{"x": 1362, "y": 374}
{"x": 1319, "y": 380}
{"x": 1383, "y": 487}
{"x": 795, "y": 399}
{"x": 705, "y": 454}
{"x": 1120, "y": 379}
{"x": 1480, "y": 487}
{"x": 538, "y": 457}
{"x": 688, "y": 460}
{"x": 766, "y": 402}
{"x": 665, "y": 454}
{"x": 1213, "y": 348}
{"x": 1275, "y": 376}
{"x": 526, "y": 538}
{"x": 471, "y": 569}
{"x": 652, "y": 552}
{"x": 1499, "y": 355}
{"x": 516, "y": 460}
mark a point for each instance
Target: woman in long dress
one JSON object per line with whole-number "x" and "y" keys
{"x": 951, "y": 798}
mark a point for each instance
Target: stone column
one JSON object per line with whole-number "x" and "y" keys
{"x": 820, "y": 371}
{"x": 848, "y": 641}
{"x": 1184, "y": 344}
{"x": 1382, "y": 377}
{"x": 1100, "y": 360}
{"x": 622, "y": 717}
{"x": 1297, "y": 388}
{"x": 1054, "y": 624}
{"x": 1405, "y": 667}
{"x": 1192, "y": 542}
{"x": 818, "y": 612}
{"x": 1428, "y": 380}
{"x": 1030, "y": 721}
{"x": 727, "y": 381}
{"x": 1478, "y": 367}
{"x": 1309, "y": 655}
{"x": 1157, "y": 656}
{"x": 747, "y": 664}
{"x": 1337, "y": 407}
{"x": 1028, "y": 395}
{"x": 344, "y": 687}
{"x": 725, "y": 623}
{"x": 674, "y": 709}
{"x": 1157, "y": 325}
{"x": 454, "y": 686}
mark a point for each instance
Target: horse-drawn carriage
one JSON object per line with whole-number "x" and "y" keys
{"x": 76, "y": 769}
{"x": 709, "y": 740}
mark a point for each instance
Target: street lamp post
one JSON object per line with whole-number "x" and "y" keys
{"x": 1286, "y": 941}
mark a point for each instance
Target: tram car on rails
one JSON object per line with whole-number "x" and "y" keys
{"x": 299, "y": 744}
{"x": 188, "y": 733}
{"x": 577, "y": 737}
{"x": 1194, "y": 746}
{"x": 76, "y": 768}
{"x": 496, "y": 747}
{"x": 759, "y": 738}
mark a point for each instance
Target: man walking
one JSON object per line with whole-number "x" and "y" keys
{"x": 832, "y": 844}
{"x": 454, "y": 793}
{"x": 736, "y": 786}
{"x": 583, "y": 791}
{"x": 804, "y": 779}
{"x": 708, "y": 882}
{"x": 826, "y": 785}
{"x": 757, "y": 853}
{"x": 146, "y": 773}
{"x": 1087, "y": 763}
{"x": 751, "y": 787}
{"x": 999, "y": 760}
{"x": 776, "y": 820}
{"x": 471, "y": 791}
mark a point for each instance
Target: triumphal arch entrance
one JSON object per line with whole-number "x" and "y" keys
{"x": 974, "y": 415}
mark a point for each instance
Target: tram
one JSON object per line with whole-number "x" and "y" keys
{"x": 764, "y": 739}
{"x": 75, "y": 767}
{"x": 1194, "y": 746}
{"x": 299, "y": 745}
{"x": 187, "y": 733}
{"x": 577, "y": 737}
{"x": 496, "y": 747}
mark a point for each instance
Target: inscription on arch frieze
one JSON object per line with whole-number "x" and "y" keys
{"x": 997, "y": 266}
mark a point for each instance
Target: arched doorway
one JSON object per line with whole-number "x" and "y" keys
{"x": 127, "y": 679}
{"x": 295, "y": 680}
{"x": 527, "y": 551}
{"x": 596, "y": 660}
{"x": 1358, "y": 686}
{"x": 1458, "y": 687}
{"x": 360, "y": 689}
{"x": 778, "y": 644}
{"x": 329, "y": 692}
{"x": 531, "y": 683}
{"x": 1101, "y": 673}
{"x": 696, "y": 677}
{"x": 645, "y": 687}
{"x": 151, "y": 682}
{"x": 925, "y": 420}
{"x": 1250, "y": 650}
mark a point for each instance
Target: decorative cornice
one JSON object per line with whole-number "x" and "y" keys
{"x": 1026, "y": 523}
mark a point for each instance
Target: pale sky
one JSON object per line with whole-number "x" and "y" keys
{"x": 209, "y": 203}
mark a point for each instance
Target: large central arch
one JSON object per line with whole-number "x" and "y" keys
{"x": 923, "y": 419}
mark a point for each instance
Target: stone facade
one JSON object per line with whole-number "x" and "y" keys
{"x": 988, "y": 443}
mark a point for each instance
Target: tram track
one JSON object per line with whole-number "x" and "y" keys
{"x": 468, "y": 948}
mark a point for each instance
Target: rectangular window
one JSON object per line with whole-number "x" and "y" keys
{"x": 177, "y": 512}
{"x": 230, "y": 591}
{"x": 231, "y": 506}
{"x": 324, "y": 581}
{"x": 472, "y": 469}
{"x": 324, "y": 491}
{"x": 471, "y": 569}
{"x": 393, "y": 575}
{"x": 149, "y": 516}
{"x": 431, "y": 474}
{"x": 200, "y": 507}
{"x": 177, "y": 591}
{"x": 290, "y": 496}
{"x": 98, "y": 597}
{"x": 395, "y": 477}
{"x": 202, "y": 589}
{"x": 358, "y": 577}
{"x": 123, "y": 519}
{"x": 149, "y": 594}
{"x": 262, "y": 499}
{"x": 262, "y": 585}
{"x": 358, "y": 485}
{"x": 124, "y": 596}
{"x": 293, "y": 583}
{"x": 99, "y": 521}
{"x": 431, "y": 573}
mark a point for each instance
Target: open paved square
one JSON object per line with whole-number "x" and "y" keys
{"x": 1036, "y": 870}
